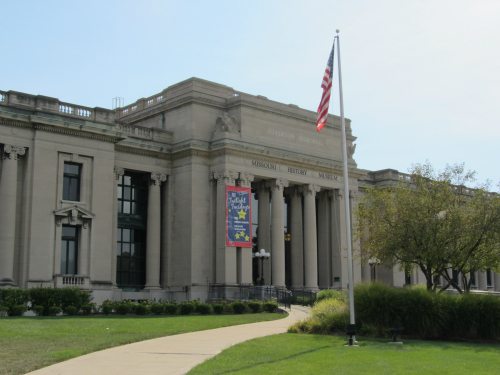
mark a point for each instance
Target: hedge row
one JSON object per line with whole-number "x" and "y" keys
{"x": 419, "y": 313}
{"x": 185, "y": 308}
{"x": 45, "y": 301}
{"x": 71, "y": 301}
{"x": 423, "y": 314}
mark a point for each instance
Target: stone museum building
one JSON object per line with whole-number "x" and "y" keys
{"x": 131, "y": 202}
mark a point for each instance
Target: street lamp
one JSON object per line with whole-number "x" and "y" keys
{"x": 372, "y": 262}
{"x": 261, "y": 255}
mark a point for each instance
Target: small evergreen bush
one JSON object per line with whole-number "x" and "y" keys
{"x": 171, "y": 308}
{"x": 218, "y": 308}
{"x": 107, "y": 307}
{"x": 157, "y": 308}
{"x": 70, "y": 310}
{"x": 140, "y": 308}
{"x": 186, "y": 308}
{"x": 254, "y": 306}
{"x": 122, "y": 307}
{"x": 203, "y": 309}
{"x": 15, "y": 301}
{"x": 270, "y": 306}
{"x": 238, "y": 307}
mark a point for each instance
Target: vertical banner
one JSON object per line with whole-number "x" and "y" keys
{"x": 238, "y": 216}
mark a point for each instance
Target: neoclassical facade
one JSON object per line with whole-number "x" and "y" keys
{"x": 130, "y": 203}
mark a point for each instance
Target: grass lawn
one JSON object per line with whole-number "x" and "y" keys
{"x": 29, "y": 343}
{"x": 315, "y": 354}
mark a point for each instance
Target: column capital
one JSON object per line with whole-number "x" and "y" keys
{"x": 225, "y": 176}
{"x": 118, "y": 171}
{"x": 277, "y": 184}
{"x": 13, "y": 152}
{"x": 309, "y": 189}
{"x": 246, "y": 179}
{"x": 158, "y": 178}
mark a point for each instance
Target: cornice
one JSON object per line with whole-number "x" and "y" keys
{"x": 78, "y": 133}
{"x": 134, "y": 149}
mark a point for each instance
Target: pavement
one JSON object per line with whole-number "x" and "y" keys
{"x": 170, "y": 355}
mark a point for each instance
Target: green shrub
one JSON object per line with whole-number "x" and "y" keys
{"x": 39, "y": 310}
{"x": 122, "y": 307}
{"x": 107, "y": 307}
{"x": 238, "y": 307}
{"x": 327, "y": 316}
{"x": 54, "y": 310}
{"x": 45, "y": 297}
{"x": 270, "y": 306}
{"x": 14, "y": 300}
{"x": 186, "y": 308}
{"x": 254, "y": 306}
{"x": 203, "y": 309}
{"x": 331, "y": 294}
{"x": 16, "y": 310}
{"x": 88, "y": 308}
{"x": 70, "y": 310}
{"x": 427, "y": 315}
{"x": 171, "y": 308}
{"x": 218, "y": 308}
{"x": 157, "y": 308}
{"x": 140, "y": 308}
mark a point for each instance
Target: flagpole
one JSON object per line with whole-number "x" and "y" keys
{"x": 352, "y": 319}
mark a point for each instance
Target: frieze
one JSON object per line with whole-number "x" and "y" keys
{"x": 328, "y": 176}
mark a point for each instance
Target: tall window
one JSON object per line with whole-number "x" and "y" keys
{"x": 69, "y": 250}
{"x": 489, "y": 278}
{"x": 131, "y": 258}
{"x": 131, "y": 238}
{"x": 71, "y": 181}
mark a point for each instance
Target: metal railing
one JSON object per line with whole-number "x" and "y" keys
{"x": 249, "y": 292}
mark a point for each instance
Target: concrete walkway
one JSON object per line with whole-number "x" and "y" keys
{"x": 175, "y": 354}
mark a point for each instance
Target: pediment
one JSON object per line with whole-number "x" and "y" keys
{"x": 73, "y": 215}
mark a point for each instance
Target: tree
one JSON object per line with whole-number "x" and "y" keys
{"x": 435, "y": 223}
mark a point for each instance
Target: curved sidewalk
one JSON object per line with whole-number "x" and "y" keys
{"x": 175, "y": 354}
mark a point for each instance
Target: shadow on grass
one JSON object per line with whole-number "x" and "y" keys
{"x": 276, "y": 360}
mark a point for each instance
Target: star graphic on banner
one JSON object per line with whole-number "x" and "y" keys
{"x": 247, "y": 238}
{"x": 242, "y": 214}
{"x": 242, "y": 233}
{"x": 237, "y": 236}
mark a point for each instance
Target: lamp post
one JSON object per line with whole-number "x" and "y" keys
{"x": 373, "y": 262}
{"x": 261, "y": 255}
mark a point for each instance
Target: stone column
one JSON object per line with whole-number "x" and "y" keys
{"x": 277, "y": 232}
{"x": 310, "y": 238}
{"x": 335, "y": 239}
{"x": 297, "y": 239}
{"x": 496, "y": 281}
{"x": 264, "y": 230}
{"x": 481, "y": 282}
{"x": 324, "y": 229}
{"x": 153, "y": 232}
{"x": 244, "y": 254}
{"x": 8, "y": 199}
{"x": 225, "y": 256}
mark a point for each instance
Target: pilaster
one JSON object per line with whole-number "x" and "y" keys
{"x": 8, "y": 198}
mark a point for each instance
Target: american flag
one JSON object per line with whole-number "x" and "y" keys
{"x": 326, "y": 85}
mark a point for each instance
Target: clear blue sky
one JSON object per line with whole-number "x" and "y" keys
{"x": 421, "y": 77}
